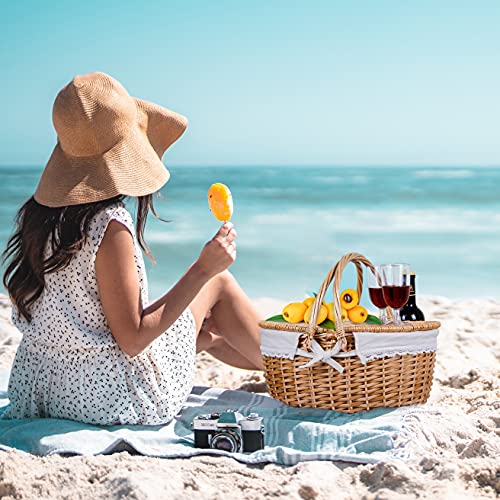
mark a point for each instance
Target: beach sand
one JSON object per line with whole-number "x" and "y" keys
{"x": 462, "y": 460}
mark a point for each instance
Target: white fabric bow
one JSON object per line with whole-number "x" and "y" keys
{"x": 319, "y": 354}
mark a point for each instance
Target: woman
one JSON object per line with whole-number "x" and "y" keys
{"x": 93, "y": 348}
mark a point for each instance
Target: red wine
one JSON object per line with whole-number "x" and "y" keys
{"x": 410, "y": 311}
{"x": 396, "y": 296}
{"x": 377, "y": 297}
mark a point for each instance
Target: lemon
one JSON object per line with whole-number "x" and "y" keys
{"x": 344, "y": 315}
{"x": 331, "y": 312}
{"x": 358, "y": 314}
{"x": 349, "y": 298}
{"x": 310, "y": 301}
{"x": 323, "y": 314}
{"x": 294, "y": 312}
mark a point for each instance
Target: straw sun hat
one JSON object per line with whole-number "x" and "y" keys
{"x": 109, "y": 143}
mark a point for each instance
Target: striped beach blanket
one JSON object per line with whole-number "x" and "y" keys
{"x": 292, "y": 435}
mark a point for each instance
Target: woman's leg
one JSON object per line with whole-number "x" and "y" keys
{"x": 220, "y": 349}
{"x": 235, "y": 319}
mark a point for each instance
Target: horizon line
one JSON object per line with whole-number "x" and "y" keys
{"x": 290, "y": 165}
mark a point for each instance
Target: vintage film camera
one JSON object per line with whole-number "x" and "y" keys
{"x": 229, "y": 431}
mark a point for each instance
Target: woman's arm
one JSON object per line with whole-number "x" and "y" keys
{"x": 133, "y": 327}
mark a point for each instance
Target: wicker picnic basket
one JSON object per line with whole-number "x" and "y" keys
{"x": 384, "y": 382}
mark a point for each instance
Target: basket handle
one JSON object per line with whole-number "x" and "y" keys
{"x": 335, "y": 275}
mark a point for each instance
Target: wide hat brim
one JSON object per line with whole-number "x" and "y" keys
{"x": 132, "y": 167}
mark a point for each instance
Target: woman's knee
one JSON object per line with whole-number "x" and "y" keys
{"x": 216, "y": 286}
{"x": 225, "y": 279}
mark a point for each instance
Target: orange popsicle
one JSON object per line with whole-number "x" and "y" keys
{"x": 220, "y": 201}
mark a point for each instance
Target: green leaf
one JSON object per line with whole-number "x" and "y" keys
{"x": 328, "y": 324}
{"x": 373, "y": 320}
{"x": 278, "y": 318}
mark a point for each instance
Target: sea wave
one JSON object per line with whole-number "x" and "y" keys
{"x": 444, "y": 174}
{"x": 172, "y": 236}
{"x": 443, "y": 221}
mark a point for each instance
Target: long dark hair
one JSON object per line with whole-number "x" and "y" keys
{"x": 67, "y": 227}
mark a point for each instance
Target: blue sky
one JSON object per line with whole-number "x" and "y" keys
{"x": 269, "y": 82}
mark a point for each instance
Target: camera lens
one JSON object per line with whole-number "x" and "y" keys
{"x": 226, "y": 442}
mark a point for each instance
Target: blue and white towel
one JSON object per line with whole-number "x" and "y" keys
{"x": 292, "y": 434}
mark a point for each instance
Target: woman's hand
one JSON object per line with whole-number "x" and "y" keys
{"x": 220, "y": 252}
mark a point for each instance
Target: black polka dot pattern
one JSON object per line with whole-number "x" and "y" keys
{"x": 68, "y": 364}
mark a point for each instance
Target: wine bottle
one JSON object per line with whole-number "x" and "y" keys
{"x": 410, "y": 311}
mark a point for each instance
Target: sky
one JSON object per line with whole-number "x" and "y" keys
{"x": 269, "y": 82}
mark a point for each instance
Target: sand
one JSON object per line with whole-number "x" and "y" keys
{"x": 461, "y": 461}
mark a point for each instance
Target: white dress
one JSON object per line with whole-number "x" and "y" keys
{"x": 68, "y": 364}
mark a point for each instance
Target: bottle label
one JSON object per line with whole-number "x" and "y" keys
{"x": 412, "y": 291}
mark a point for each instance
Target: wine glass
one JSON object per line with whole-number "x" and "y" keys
{"x": 396, "y": 287}
{"x": 376, "y": 292}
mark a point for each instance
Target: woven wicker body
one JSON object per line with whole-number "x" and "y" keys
{"x": 388, "y": 382}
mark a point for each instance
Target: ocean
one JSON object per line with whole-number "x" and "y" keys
{"x": 294, "y": 223}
